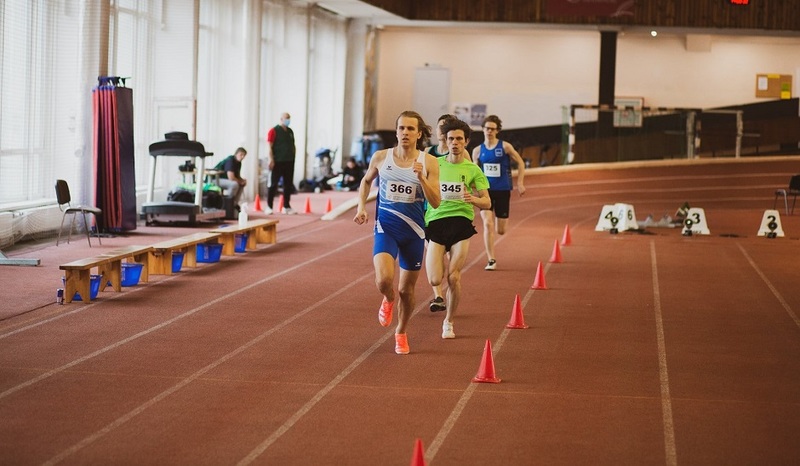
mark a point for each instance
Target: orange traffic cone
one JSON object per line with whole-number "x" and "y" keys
{"x": 280, "y": 205}
{"x": 517, "y": 320}
{"x": 328, "y": 206}
{"x": 556, "y": 256}
{"x": 257, "y": 204}
{"x": 418, "y": 459}
{"x": 486, "y": 371}
{"x": 566, "y": 240}
{"x": 538, "y": 282}
{"x": 307, "y": 209}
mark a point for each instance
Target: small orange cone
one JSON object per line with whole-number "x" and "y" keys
{"x": 566, "y": 240}
{"x": 328, "y": 206}
{"x": 257, "y": 204}
{"x": 280, "y": 204}
{"x": 418, "y": 459}
{"x": 486, "y": 371}
{"x": 307, "y": 209}
{"x": 517, "y": 320}
{"x": 538, "y": 282}
{"x": 556, "y": 256}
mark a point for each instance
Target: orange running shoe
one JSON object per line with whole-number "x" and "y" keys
{"x": 385, "y": 312}
{"x": 401, "y": 343}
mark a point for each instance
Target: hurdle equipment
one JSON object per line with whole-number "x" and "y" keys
{"x": 617, "y": 217}
{"x": 627, "y": 217}
{"x": 608, "y": 219}
{"x": 771, "y": 224}
{"x": 695, "y": 222}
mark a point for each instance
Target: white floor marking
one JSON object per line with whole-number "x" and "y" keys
{"x": 161, "y": 396}
{"x": 666, "y": 401}
{"x": 772, "y": 288}
{"x": 188, "y": 313}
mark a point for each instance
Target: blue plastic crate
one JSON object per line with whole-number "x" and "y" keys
{"x": 131, "y": 273}
{"x": 240, "y": 243}
{"x": 209, "y": 252}
{"x": 177, "y": 261}
{"x": 94, "y": 287}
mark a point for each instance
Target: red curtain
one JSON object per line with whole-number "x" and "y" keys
{"x": 115, "y": 185}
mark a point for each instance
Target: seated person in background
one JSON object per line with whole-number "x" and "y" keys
{"x": 351, "y": 175}
{"x": 231, "y": 178}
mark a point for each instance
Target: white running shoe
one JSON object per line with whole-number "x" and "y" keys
{"x": 491, "y": 265}
{"x": 447, "y": 330}
{"x": 268, "y": 210}
{"x": 289, "y": 211}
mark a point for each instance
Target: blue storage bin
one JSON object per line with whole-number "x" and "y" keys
{"x": 209, "y": 252}
{"x": 177, "y": 261}
{"x": 94, "y": 287}
{"x": 240, "y": 243}
{"x": 131, "y": 273}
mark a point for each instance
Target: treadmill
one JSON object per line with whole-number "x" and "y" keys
{"x": 177, "y": 144}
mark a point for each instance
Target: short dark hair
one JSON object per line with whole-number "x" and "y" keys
{"x": 240, "y": 149}
{"x": 456, "y": 124}
{"x": 494, "y": 119}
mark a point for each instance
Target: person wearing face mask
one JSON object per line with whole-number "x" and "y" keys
{"x": 280, "y": 140}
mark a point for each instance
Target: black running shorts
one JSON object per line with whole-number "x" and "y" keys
{"x": 449, "y": 231}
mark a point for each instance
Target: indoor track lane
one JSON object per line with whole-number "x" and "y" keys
{"x": 647, "y": 348}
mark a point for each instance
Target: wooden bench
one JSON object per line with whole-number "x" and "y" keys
{"x": 77, "y": 274}
{"x": 260, "y": 231}
{"x": 161, "y": 253}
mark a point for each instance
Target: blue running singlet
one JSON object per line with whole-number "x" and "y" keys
{"x": 401, "y": 209}
{"x": 400, "y": 219}
{"x": 496, "y": 165}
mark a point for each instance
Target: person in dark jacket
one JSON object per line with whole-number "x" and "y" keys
{"x": 282, "y": 151}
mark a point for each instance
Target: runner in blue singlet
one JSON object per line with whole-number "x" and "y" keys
{"x": 408, "y": 178}
{"x": 494, "y": 156}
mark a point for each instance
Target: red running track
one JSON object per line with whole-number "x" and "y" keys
{"x": 647, "y": 347}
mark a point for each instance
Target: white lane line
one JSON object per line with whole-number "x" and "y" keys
{"x": 666, "y": 401}
{"x": 277, "y": 434}
{"x": 306, "y": 408}
{"x": 772, "y": 288}
{"x": 131, "y": 338}
{"x": 161, "y": 396}
{"x": 88, "y": 306}
{"x": 450, "y": 422}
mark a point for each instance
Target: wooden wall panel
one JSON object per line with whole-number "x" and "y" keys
{"x": 766, "y": 15}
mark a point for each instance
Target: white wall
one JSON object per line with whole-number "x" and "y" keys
{"x": 526, "y": 76}
{"x": 666, "y": 74}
